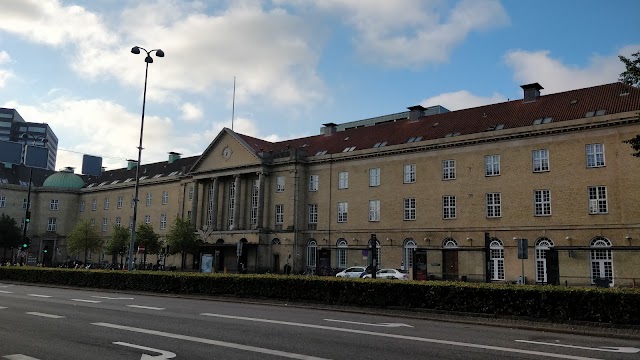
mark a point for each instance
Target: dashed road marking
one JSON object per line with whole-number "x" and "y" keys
{"x": 145, "y": 307}
{"x": 2, "y": 307}
{"x": 87, "y": 301}
{"x": 19, "y": 357}
{"x": 38, "y": 295}
{"x": 6, "y": 292}
{"x": 112, "y": 298}
{"x": 50, "y": 316}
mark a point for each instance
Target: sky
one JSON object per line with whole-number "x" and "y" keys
{"x": 297, "y": 64}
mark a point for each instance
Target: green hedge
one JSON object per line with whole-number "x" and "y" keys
{"x": 616, "y": 306}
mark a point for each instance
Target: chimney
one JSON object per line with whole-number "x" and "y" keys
{"x": 68, "y": 169}
{"x": 531, "y": 92}
{"x": 329, "y": 128}
{"x": 131, "y": 164}
{"x": 416, "y": 112}
{"x": 173, "y": 156}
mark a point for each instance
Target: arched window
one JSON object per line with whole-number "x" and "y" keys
{"x": 601, "y": 260}
{"x": 496, "y": 263}
{"x": 542, "y": 245}
{"x": 341, "y": 253}
{"x": 312, "y": 246}
{"x": 449, "y": 243}
{"x": 407, "y": 249}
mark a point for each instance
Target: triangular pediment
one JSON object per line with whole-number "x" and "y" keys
{"x": 227, "y": 150}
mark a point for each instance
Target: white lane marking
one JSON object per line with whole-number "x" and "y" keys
{"x": 38, "y": 295}
{"x": 212, "y": 342}
{"x": 5, "y": 286}
{"x": 88, "y": 301}
{"x": 19, "y": 357}
{"x": 370, "y": 324}
{"x": 2, "y": 307}
{"x": 6, "y": 292}
{"x": 46, "y": 315}
{"x": 405, "y": 337}
{"x": 145, "y": 307}
{"x": 112, "y": 298}
{"x": 626, "y": 350}
{"x": 163, "y": 354}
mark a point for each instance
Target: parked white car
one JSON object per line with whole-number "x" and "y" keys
{"x": 352, "y": 272}
{"x": 391, "y": 274}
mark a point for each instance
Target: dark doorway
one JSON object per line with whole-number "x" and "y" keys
{"x": 450, "y": 262}
{"x": 276, "y": 264}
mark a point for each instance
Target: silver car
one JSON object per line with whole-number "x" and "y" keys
{"x": 352, "y": 272}
{"x": 392, "y": 274}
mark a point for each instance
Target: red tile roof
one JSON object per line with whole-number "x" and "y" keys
{"x": 513, "y": 114}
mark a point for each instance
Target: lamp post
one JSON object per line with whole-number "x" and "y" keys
{"x": 148, "y": 60}
{"x": 27, "y": 212}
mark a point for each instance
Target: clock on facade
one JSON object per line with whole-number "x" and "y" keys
{"x": 226, "y": 153}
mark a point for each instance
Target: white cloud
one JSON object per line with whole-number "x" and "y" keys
{"x": 191, "y": 112}
{"x": 462, "y": 99}
{"x": 4, "y": 74}
{"x": 555, "y": 75}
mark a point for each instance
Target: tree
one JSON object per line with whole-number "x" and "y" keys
{"x": 9, "y": 234}
{"x": 84, "y": 238}
{"x": 631, "y": 76}
{"x": 119, "y": 242}
{"x": 145, "y": 236}
{"x": 182, "y": 239}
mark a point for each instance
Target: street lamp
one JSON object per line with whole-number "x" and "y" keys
{"x": 27, "y": 213}
{"x": 148, "y": 60}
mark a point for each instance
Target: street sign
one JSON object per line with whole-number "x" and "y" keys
{"x": 141, "y": 249}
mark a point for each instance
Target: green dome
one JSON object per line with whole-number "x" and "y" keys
{"x": 64, "y": 179}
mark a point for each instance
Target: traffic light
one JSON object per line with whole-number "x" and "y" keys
{"x": 27, "y": 218}
{"x": 45, "y": 249}
{"x": 26, "y": 243}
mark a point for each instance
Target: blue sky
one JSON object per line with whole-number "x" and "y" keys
{"x": 298, "y": 63}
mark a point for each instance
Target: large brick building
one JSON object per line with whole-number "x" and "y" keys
{"x": 457, "y": 188}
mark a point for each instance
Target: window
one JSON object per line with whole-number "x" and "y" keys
{"x": 280, "y": 184}
{"x": 191, "y": 192}
{"x": 255, "y": 191}
{"x": 410, "y": 209}
{"x": 540, "y": 160}
{"x": 343, "y": 208}
{"x": 341, "y": 254}
{"x": 81, "y": 205}
{"x": 163, "y": 221}
{"x": 165, "y": 198}
{"x": 542, "y": 202}
{"x": 106, "y": 203}
{"x": 493, "y": 205}
{"x": 598, "y": 200}
{"x": 105, "y": 223}
{"x": 148, "y": 199}
{"x": 24, "y": 204}
{"x": 496, "y": 263}
{"x": 448, "y": 169}
{"x": 449, "y": 207}
{"x": 3, "y": 201}
{"x": 210, "y": 206}
{"x": 312, "y": 246}
{"x": 232, "y": 203}
{"x": 601, "y": 260}
{"x": 595, "y": 155}
{"x": 92, "y": 222}
{"x": 374, "y": 210}
{"x": 410, "y": 173}
{"x": 343, "y": 180}
{"x": 492, "y": 165}
{"x": 313, "y": 213}
{"x": 407, "y": 251}
{"x": 279, "y": 214}
{"x": 52, "y": 224}
{"x": 53, "y": 205}
{"x": 94, "y": 205}
{"x": 133, "y": 202}
{"x": 313, "y": 183}
{"x": 118, "y": 221}
{"x": 542, "y": 246}
{"x": 147, "y": 219}
{"x": 120, "y": 201}
{"x": 449, "y": 243}
{"x": 374, "y": 177}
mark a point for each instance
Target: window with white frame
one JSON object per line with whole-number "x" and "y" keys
{"x": 106, "y": 203}
{"x": 542, "y": 202}
{"x": 496, "y": 262}
{"x": 448, "y": 169}
{"x": 409, "y": 208}
{"x": 341, "y": 254}
{"x": 540, "y": 160}
{"x": 601, "y": 260}
{"x": 120, "y": 202}
{"x": 255, "y": 192}
{"x": 105, "y": 224}
{"x": 313, "y": 213}
{"x": 280, "y": 184}
{"x": 595, "y": 155}
{"x": 81, "y": 205}
{"x": 3, "y": 201}
{"x": 450, "y": 243}
{"x": 494, "y": 208}
{"x": 492, "y": 165}
{"x": 210, "y": 204}
{"x": 165, "y": 197}
{"x": 191, "y": 192}
{"x": 52, "y": 224}
{"x": 407, "y": 251}
{"x": 163, "y": 221}
{"x": 313, "y": 182}
{"x": 374, "y": 177}
{"x": 343, "y": 180}
{"x": 542, "y": 246}
{"x": 118, "y": 221}
{"x": 148, "y": 199}
{"x": 374, "y": 210}
{"x": 232, "y": 203}
{"x": 449, "y": 207}
{"x": 24, "y": 204}
{"x": 53, "y": 204}
{"x": 343, "y": 208}
{"x": 312, "y": 246}
{"x": 147, "y": 219}
{"x": 279, "y": 213}
{"x": 409, "y": 173}
{"x": 598, "y": 200}
{"x": 94, "y": 205}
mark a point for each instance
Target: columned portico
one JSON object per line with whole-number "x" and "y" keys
{"x": 214, "y": 203}
{"x": 260, "y": 222}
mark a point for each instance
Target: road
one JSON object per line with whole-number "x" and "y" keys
{"x": 44, "y": 323}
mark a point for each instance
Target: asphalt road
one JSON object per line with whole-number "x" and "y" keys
{"x": 56, "y": 323}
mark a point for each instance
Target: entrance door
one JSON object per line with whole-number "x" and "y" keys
{"x": 450, "y": 262}
{"x": 276, "y": 264}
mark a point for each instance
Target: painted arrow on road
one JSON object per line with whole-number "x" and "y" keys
{"x": 625, "y": 350}
{"x": 380, "y": 324}
{"x": 163, "y": 354}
